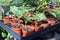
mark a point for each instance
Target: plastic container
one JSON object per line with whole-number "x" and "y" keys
{"x": 6, "y": 20}
{"x": 39, "y": 33}
{"x": 17, "y": 30}
{"x": 26, "y": 31}
{"x": 37, "y": 28}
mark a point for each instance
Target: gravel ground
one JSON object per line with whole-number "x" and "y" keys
{"x": 56, "y": 37}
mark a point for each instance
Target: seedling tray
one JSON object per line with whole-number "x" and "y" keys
{"x": 30, "y": 36}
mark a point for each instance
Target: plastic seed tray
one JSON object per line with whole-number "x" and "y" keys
{"x": 30, "y": 36}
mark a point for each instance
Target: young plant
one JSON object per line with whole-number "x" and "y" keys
{"x": 5, "y": 2}
{"x": 41, "y": 16}
{"x": 3, "y": 33}
{"x": 56, "y": 13}
{"x": 42, "y": 4}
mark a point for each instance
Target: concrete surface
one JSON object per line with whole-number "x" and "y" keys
{"x": 56, "y": 37}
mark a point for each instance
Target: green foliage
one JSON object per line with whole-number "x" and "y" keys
{"x": 17, "y": 2}
{"x": 3, "y": 33}
{"x": 42, "y": 2}
{"x": 9, "y": 35}
{"x": 16, "y": 11}
{"x": 58, "y": 2}
{"x": 29, "y": 2}
{"x": 27, "y": 19}
{"x": 42, "y": 7}
{"x": 5, "y": 2}
{"x": 41, "y": 16}
{"x": 20, "y": 11}
{"x": 38, "y": 16}
{"x": 56, "y": 13}
{"x": 2, "y": 1}
{"x": 23, "y": 2}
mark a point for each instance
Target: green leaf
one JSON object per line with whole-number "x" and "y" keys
{"x": 16, "y": 11}
{"x": 27, "y": 18}
{"x": 41, "y": 16}
{"x": 9, "y": 35}
{"x": 3, "y": 34}
{"x": 5, "y": 2}
{"x": 54, "y": 14}
{"x": 7, "y": 13}
{"x": 35, "y": 17}
{"x": 18, "y": 1}
{"x": 8, "y": 0}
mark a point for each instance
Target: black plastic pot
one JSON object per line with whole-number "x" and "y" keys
{"x": 38, "y": 38}
{"x": 58, "y": 29}
{"x": 45, "y": 36}
{"x": 47, "y": 32}
{"x": 48, "y": 35}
